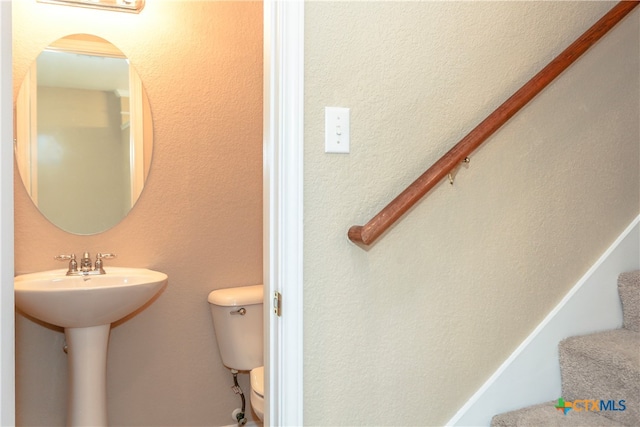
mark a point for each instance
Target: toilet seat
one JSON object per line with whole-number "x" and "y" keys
{"x": 257, "y": 391}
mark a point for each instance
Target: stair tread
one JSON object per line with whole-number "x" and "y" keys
{"x": 604, "y": 365}
{"x": 546, "y": 414}
{"x": 630, "y": 277}
{"x": 619, "y": 347}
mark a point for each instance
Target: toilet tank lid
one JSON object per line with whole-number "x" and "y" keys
{"x": 242, "y": 295}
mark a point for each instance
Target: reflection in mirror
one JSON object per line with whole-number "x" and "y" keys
{"x": 83, "y": 134}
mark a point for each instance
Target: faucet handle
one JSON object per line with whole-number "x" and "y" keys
{"x": 99, "y": 258}
{"x": 73, "y": 264}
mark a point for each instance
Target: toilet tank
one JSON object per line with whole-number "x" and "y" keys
{"x": 237, "y": 321}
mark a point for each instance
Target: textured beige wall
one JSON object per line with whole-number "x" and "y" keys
{"x": 405, "y": 332}
{"x": 199, "y": 218}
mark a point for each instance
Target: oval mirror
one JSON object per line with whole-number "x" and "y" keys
{"x": 84, "y": 134}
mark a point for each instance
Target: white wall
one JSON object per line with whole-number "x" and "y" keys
{"x": 7, "y": 381}
{"x": 406, "y": 331}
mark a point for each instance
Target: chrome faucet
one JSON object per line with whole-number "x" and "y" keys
{"x": 86, "y": 266}
{"x": 85, "y": 263}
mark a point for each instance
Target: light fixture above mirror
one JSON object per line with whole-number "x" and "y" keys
{"x": 132, "y": 6}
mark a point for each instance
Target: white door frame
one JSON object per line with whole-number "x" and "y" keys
{"x": 7, "y": 330}
{"x": 283, "y": 208}
{"x": 283, "y": 179}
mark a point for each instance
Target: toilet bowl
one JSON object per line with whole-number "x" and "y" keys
{"x": 257, "y": 391}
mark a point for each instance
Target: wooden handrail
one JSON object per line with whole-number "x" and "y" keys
{"x": 368, "y": 233}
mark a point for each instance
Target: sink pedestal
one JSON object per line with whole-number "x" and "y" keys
{"x": 87, "y": 353}
{"x": 86, "y": 306}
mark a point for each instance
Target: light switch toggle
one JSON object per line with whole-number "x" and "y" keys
{"x": 336, "y": 130}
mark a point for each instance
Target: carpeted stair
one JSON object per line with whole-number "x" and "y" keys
{"x": 603, "y": 366}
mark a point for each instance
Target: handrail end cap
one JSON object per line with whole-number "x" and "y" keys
{"x": 355, "y": 234}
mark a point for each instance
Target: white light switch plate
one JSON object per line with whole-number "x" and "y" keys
{"x": 336, "y": 130}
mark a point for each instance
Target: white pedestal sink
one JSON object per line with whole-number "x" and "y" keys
{"x": 85, "y": 306}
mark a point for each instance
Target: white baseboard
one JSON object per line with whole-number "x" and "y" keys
{"x": 531, "y": 374}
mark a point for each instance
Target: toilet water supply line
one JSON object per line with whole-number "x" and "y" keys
{"x": 237, "y": 390}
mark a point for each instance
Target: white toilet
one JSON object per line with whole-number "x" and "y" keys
{"x": 237, "y": 320}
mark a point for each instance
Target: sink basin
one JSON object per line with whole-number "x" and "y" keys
{"x": 84, "y": 301}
